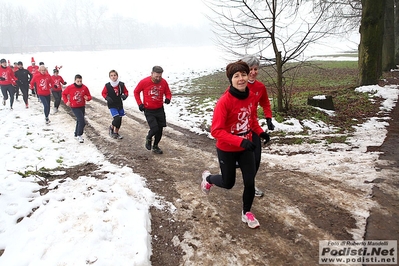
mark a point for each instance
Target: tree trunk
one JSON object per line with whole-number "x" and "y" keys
{"x": 396, "y": 20}
{"x": 279, "y": 68}
{"x": 370, "y": 47}
{"x": 388, "y": 46}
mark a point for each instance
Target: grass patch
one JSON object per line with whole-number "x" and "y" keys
{"x": 336, "y": 78}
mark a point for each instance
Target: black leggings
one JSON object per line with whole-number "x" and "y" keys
{"x": 25, "y": 91}
{"x": 117, "y": 121}
{"x": 8, "y": 89}
{"x": 57, "y": 98}
{"x": 227, "y": 163}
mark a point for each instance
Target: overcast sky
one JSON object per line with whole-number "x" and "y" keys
{"x": 166, "y": 12}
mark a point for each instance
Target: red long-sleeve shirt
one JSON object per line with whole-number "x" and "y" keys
{"x": 57, "y": 81}
{"x": 234, "y": 120}
{"x": 33, "y": 69}
{"x": 43, "y": 83}
{"x": 259, "y": 89}
{"x": 76, "y": 95}
{"x": 7, "y": 76}
{"x": 153, "y": 93}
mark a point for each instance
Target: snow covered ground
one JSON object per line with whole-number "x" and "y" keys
{"x": 82, "y": 222}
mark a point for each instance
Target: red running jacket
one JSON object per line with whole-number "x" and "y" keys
{"x": 43, "y": 83}
{"x": 153, "y": 93}
{"x": 7, "y": 76}
{"x": 259, "y": 89}
{"x": 234, "y": 120}
{"x": 76, "y": 95}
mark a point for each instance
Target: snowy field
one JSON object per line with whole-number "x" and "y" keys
{"x": 71, "y": 220}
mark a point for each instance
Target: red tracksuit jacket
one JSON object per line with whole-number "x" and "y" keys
{"x": 234, "y": 120}
{"x": 7, "y": 75}
{"x": 43, "y": 83}
{"x": 75, "y": 95}
{"x": 153, "y": 93}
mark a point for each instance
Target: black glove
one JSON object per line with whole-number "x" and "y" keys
{"x": 109, "y": 100}
{"x": 2, "y": 79}
{"x": 123, "y": 96}
{"x": 270, "y": 125}
{"x": 265, "y": 136}
{"x": 55, "y": 86}
{"x": 167, "y": 101}
{"x": 247, "y": 145}
{"x": 141, "y": 107}
{"x": 64, "y": 83}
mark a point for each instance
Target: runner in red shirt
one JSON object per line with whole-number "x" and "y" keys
{"x": 43, "y": 83}
{"x": 33, "y": 69}
{"x": 154, "y": 89}
{"x": 7, "y": 82}
{"x": 76, "y": 95}
{"x": 234, "y": 124}
{"x": 56, "y": 90}
{"x": 261, "y": 99}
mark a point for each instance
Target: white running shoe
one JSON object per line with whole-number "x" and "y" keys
{"x": 250, "y": 220}
{"x": 80, "y": 139}
{"x": 258, "y": 192}
{"x": 205, "y": 186}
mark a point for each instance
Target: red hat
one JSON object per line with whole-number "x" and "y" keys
{"x": 33, "y": 60}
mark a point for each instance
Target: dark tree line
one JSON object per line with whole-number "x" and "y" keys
{"x": 84, "y": 25}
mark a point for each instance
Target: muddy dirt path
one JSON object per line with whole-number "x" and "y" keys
{"x": 296, "y": 212}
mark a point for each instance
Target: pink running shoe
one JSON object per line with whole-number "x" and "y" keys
{"x": 205, "y": 186}
{"x": 250, "y": 219}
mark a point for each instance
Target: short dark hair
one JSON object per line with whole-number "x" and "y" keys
{"x": 238, "y": 66}
{"x": 157, "y": 69}
{"x": 77, "y": 76}
{"x": 113, "y": 71}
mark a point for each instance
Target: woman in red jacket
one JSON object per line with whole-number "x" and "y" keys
{"x": 233, "y": 124}
{"x": 42, "y": 82}
{"x": 75, "y": 96}
{"x": 262, "y": 99}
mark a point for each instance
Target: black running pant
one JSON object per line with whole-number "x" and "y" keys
{"x": 156, "y": 120}
{"x": 227, "y": 164}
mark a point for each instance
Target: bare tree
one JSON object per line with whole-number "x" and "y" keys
{"x": 282, "y": 28}
{"x": 348, "y": 11}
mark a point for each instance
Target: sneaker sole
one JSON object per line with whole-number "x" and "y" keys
{"x": 204, "y": 175}
{"x": 252, "y": 227}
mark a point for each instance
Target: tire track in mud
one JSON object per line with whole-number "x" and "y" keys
{"x": 296, "y": 212}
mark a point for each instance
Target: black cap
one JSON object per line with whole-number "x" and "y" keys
{"x": 41, "y": 63}
{"x": 20, "y": 63}
{"x": 3, "y": 60}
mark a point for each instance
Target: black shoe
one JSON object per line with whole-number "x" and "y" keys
{"x": 117, "y": 136}
{"x": 156, "y": 150}
{"x": 111, "y": 132}
{"x": 148, "y": 143}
